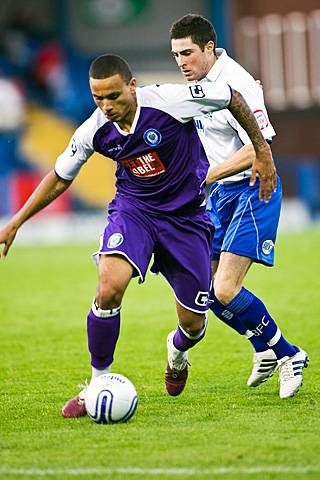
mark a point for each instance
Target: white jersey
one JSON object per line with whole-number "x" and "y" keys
{"x": 220, "y": 133}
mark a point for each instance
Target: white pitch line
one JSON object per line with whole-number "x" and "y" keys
{"x": 174, "y": 472}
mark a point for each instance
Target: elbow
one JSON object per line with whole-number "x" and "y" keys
{"x": 63, "y": 181}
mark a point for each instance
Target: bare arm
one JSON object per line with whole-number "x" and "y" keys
{"x": 263, "y": 163}
{"x": 240, "y": 161}
{"x": 48, "y": 190}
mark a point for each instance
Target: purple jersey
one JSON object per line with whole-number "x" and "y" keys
{"x": 161, "y": 164}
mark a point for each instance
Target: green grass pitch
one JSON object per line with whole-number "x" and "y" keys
{"x": 218, "y": 427}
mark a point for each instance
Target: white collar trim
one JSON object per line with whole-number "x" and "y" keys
{"x": 215, "y": 70}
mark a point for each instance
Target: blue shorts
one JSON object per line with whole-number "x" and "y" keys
{"x": 244, "y": 225}
{"x": 180, "y": 244}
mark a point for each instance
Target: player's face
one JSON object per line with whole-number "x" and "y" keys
{"x": 115, "y": 97}
{"x": 193, "y": 62}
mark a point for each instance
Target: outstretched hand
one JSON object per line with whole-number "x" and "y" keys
{"x": 7, "y": 236}
{"x": 263, "y": 165}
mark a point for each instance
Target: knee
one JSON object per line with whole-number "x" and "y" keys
{"x": 109, "y": 296}
{"x": 225, "y": 292}
{"x": 192, "y": 322}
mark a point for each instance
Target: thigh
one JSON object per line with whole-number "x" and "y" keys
{"x": 183, "y": 257}
{"x": 253, "y": 228}
{"x": 115, "y": 272}
{"x": 129, "y": 235}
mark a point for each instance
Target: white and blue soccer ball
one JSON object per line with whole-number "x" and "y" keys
{"x": 111, "y": 398}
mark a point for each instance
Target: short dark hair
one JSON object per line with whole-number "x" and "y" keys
{"x": 108, "y": 65}
{"x": 197, "y": 27}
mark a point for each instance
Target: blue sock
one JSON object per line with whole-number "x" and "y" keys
{"x": 252, "y": 312}
{"x": 234, "y": 322}
{"x": 258, "y": 344}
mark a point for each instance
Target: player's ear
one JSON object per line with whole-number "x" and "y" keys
{"x": 210, "y": 46}
{"x": 132, "y": 85}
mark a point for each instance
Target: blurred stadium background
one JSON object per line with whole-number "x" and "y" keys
{"x": 45, "y": 50}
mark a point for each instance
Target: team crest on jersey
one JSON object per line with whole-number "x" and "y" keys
{"x": 152, "y": 137}
{"x": 115, "y": 240}
{"x": 267, "y": 247}
{"x": 196, "y": 91}
{"x": 261, "y": 118}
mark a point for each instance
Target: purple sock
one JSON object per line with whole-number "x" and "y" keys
{"x": 183, "y": 342}
{"x": 103, "y": 328}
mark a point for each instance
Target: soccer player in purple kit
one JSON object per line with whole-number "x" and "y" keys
{"x": 159, "y": 203}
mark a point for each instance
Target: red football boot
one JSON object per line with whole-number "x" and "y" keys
{"x": 75, "y": 407}
{"x": 176, "y": 374}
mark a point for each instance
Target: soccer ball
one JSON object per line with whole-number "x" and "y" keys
{"x": 111, "y": 398}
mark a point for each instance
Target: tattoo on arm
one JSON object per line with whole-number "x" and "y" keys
{"x": 48, "y": 190}
{"x": 52, "y": 195}
{"x": 242, "y": 113}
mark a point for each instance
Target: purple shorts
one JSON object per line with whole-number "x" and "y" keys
{"x": 180, "y": 244}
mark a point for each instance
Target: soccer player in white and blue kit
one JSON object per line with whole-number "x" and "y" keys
{"x": 158, "y": 207}
{"x": 245, "y": 227}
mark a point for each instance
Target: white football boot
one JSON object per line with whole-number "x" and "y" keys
{"x": 264, "y": 365}
{"x": 290, "y": 373}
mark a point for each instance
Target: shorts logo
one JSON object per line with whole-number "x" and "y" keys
{"x": 267, "y": 247}
{"x": 196, "y": 91}
{"x": 115, "y": 240}
{"x": 202, "y": 299}
{"x": 152, "y": 137}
